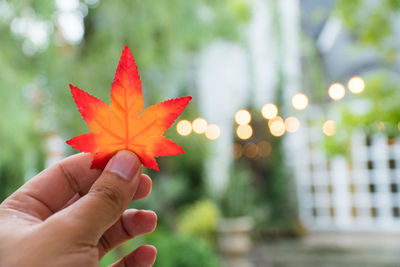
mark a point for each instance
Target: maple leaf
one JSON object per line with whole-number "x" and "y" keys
{"x": 122, "y": 125}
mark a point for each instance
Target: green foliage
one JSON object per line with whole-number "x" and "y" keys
{"x": 375, "y": 111}
{"x": 275, "y": 204}
{"x": 241, "y": 9}
{"x": 381, "y": 98}
{"x": 119, "y": 252}
{"x": 337, "y": 144}
{"x": 173, "y": 250}
{"x": 162, "y": 46}
{"x": 313, "y": 69}
{"x": 188, "y": 166}
{"x": 181, "y": 251}
{"x": 20, "y": 137}
{"x": 371, "y": 22}
{"x": 348, "y": 9}
{"x": 168, "y": 194}
{"x": 163, "y": 36}
{"x": 199, "y": 219}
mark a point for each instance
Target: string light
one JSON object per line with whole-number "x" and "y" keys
{"x": 300, "y": 101}
{"x": 213, "y": 132}
{"x": 277, "y": 118}
{"x": 336, "y": 91}
{"x": 277, "y": 128}
{"x": 199, "y": 126}
{"x": 244, "y": 132}
{"x": 292, "y": 124}
{"x": 269, "y": 111}
{"x": 356, "y": 85}
{"x": 184, "y": 127}
{"x": 251, "y": 150}
{"x": 242, "y": 117}
{"x": 264, "y": 149}
{"x": 329, "y": 128}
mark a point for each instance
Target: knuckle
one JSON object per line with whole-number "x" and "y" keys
{"x": 106, "y": 245}
{"x": 109, "y": 194}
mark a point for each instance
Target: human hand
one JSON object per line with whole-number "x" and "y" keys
{"x": 71, "y": 215}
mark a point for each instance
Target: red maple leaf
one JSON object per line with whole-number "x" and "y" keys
{"x": 122, "y": 125}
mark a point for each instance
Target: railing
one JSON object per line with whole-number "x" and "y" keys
{"x": 360, "y": 192}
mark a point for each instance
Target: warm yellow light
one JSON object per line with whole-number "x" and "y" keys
{"x": 356, "y": 85}
{"x": 242, "y": 117}
{"x": 292, "y": 124}
{"x": 336, "y": 91}
{"x": 398, "y": 126}
{"x": 269, "y": 111}
{"x": 213, "y": 132}
{"x": 244, "y": 132}
{"x": 300, "y": 101}
{"x": 277, "y": 128}
{"x": 199, "y": 126}
{"x": 277, "y": 118}
{"x": 251, "y": 150}
{"x": 264, "y": 149}
{"x": 329, "y": 128}
{"x": 184, "y": 127}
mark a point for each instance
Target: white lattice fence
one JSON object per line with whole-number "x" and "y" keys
{"x": 360, "y": 193}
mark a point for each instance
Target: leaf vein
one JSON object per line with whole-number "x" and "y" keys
{"x": 108, "y": 130}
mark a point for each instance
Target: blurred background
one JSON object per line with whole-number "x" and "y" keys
{"x": 291, "y": 140}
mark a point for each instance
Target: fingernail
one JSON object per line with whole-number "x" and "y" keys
{"x": 125, "y": 163}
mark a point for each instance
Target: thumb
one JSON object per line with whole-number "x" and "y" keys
{"x": 109, "y": 196}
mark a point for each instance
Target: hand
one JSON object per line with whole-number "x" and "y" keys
{"x": 71, "y": 215}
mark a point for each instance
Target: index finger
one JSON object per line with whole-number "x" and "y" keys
{"x": 51, "y": 189}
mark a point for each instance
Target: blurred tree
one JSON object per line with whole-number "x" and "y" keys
{"x": 39, "y": 58}
{"x": 37, "y": 52}
{"x": 372, "y": 23}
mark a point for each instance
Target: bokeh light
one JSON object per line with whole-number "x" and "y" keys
{"x": 67, "y": 5}
{"x": 292, "y": 124}
{"x": 300, "y": 101}
{"x": 237, "y": 151}
{"x": 336, "y": 91}
{"x": 184, "y": 127}
{"x": 242, "y": 117}
{"x": 277, "y": 118}
{"x": 213, "y": 132}
{"x": 264, "y": 149}
{"x": 199, "y": 126}
{"x": 251, "y": 150}
{"x": 244, "y": 132}
{"x": 356, "y": 85}
{"x": 277, "y": 128}
{"x": 70, "y": 20}
{"x": 269, "y": 111}
{"x": 329, "y": 128}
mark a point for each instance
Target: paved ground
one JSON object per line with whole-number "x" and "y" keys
{"x": 330, "y": 250}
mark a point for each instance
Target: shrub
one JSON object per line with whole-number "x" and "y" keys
{"x": 181, "y": 251}
{"x": 199, "y": 219}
